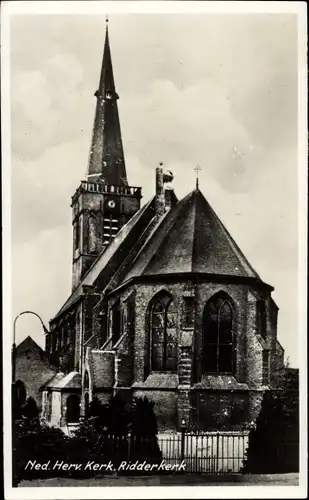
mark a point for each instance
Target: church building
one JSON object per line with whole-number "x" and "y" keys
{"x": 163, "y": 302}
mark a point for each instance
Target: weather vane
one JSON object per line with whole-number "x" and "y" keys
{"x": 197, "y": 169}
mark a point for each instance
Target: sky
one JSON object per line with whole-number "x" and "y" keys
{"x": 215, "y": 90}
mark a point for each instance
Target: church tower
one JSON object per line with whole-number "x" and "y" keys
{"x": 104, "y": 202}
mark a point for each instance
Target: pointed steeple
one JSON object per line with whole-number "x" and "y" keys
{"x": 106, "y": 161}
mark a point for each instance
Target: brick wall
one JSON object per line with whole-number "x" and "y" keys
{"x": 237, "y": 406}
{"x": 33, "y": 371}
{"x": 124, "y": 362}
{"x": 254, "y": 355}
{"x": 165, "y": 406}
{"x": 220, "y": 410}
{"x": 78, "y": 336}
{"x": 203, "y": 293}
{"x": 88, "y": 213}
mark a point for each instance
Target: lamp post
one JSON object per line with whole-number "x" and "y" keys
{"x": 14, "y": 339}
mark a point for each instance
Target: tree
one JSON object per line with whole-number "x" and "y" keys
{"x": 274, "y": 442}
{"x": 144, "y": 429}
{"x": 143, "y": 419}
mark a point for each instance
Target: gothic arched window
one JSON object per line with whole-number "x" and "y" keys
{"x": 86, "y": 381}
{"x": 92, "y": 234}
{"x": 21, "y": 393}
{"x": 261, "y": 318}
{"x": 116, "y": 323}
{"x": 218, "y": 338}
{"x": 163, "y": 334}
{"x": 103, "y": 322}
{"x": 87, "y": 406}
{"x": 76, "y": 233}
{"x": 54, "y": 341}
{"x": 65, "y": 335}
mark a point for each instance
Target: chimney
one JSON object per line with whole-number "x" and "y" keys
{"x": 168, "y": 194}
{"x": 163, "y": 196}
{"x": 160, "y": 197}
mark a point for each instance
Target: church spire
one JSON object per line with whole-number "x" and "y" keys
{"x": 106, "y": 161}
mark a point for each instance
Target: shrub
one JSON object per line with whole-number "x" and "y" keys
{"x": 32, "y": 442}
{"x": 104, "y": 436}
{"x": 120, "y": 432}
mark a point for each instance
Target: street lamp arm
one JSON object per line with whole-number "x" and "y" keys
{"x": 29, "y": 312}
{"x": 14, "y": 339}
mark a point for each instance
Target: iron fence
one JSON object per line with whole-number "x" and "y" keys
{"x": 206, "y": 453}
{"x": 211, "y": 453}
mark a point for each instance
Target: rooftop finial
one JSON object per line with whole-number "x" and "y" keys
{"x": 106, "y": 19}
{"x": 197, "y": 169}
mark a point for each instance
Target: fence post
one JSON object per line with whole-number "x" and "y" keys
{"x": 217, "y": 450}
{"x": 129, "y": 446}
{"x": 183, "y": 430}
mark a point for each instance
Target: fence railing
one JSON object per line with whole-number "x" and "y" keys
{"x": 206, "y": 453}
{"x": 209, "y": 453}
{"x": 200, "y": 453}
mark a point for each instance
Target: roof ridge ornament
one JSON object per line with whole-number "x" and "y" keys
{"x": 197, "y": 169}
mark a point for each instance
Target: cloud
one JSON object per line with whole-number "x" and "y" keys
{"x": 218, "y": 90}
{"x": 36, "y": 283}
{"x": 44, "y": 102}
{"x": 42, "y": 189}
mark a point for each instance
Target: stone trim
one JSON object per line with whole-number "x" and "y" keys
{"x": 176, "y": 277}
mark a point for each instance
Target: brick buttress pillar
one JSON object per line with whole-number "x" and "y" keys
{"x": 185, "y": 374}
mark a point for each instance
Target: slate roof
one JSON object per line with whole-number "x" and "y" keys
{"x": 162, "y": 380}
{"x": 220, "y": 382}
{"x": 28, "y": 343}
{"x": 117, "y": 246}
{"x": 189, "y": 238}
{"x": 61, "y": 381}
{"x": 106, "y": 160}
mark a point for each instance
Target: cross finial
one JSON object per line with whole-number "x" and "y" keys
{"x": 197, "y": 169}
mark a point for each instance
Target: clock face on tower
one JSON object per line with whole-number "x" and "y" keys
{"x": 111, "y": 204}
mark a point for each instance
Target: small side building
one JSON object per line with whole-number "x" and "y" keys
{"x": 33, "y": 370}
